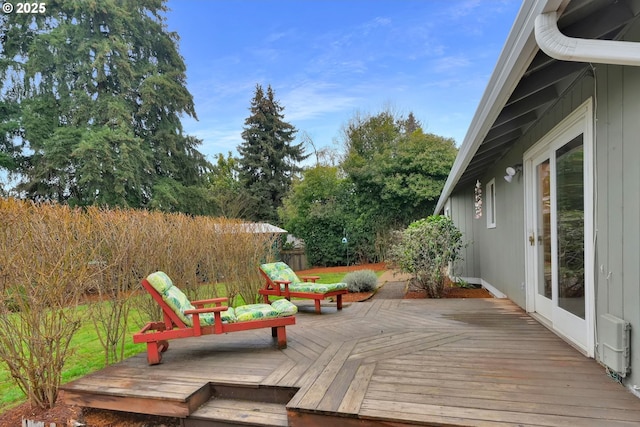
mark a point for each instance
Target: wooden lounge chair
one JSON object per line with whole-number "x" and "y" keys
{"x": 184, "y": 318}
{"x": 282, "y": 281}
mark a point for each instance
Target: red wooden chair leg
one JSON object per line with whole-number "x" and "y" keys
{"x": 266, "y": 299}
{"x": 282, "y": 336}
{"x": 163, "y": 345}
{"x": 153, "y": 353}
{"x": 317, "y": 302}
{"x": 339, "y": 301}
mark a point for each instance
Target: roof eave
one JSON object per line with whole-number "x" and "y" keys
{"x": 518, "y": 52}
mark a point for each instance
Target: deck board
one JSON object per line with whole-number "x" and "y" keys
{"x": 390, "y": 362}
{"x": 358, "y": 387}
{"x": 243, "y": 412}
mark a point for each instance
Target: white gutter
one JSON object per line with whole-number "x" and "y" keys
{"x": 558, "y": 46}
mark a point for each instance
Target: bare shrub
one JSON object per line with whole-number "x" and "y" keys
{"x": 116, "y": 275}
{"x": 238, "y": 250}
{"x": 52, "y": 257}
{"x": 45, "y": 253}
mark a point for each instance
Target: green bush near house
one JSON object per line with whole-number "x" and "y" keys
{"x": 426, "y": 249}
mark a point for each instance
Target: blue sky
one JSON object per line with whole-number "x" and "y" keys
{"x": 328, "y": 60}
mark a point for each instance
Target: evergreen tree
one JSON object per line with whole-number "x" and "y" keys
{"x": 410, "y": 125}
{"x": 100, "y": 88}
{"x": 268, "y": 159}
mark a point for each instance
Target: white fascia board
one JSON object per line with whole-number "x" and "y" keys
{"x": 517, "y": 54}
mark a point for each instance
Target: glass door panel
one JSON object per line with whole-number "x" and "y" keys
{"x": 570, "y": 226}
{"x": 543, "y": 242}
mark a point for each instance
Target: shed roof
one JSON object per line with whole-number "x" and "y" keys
{"x": 251, "y": 227}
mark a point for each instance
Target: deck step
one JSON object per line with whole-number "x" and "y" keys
{"x": 237, "y": 405}
{"x": 233, "y": 412}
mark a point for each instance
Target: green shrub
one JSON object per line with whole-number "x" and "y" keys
{"x": 425, "y": 249}
{"x": 361, "y": 281}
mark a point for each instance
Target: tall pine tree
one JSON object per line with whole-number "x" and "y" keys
{"x": 100, "y": 88}
{"x": 268, "y": 158}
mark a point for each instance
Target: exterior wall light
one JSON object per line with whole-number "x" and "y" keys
{"x": 511, "y": 172}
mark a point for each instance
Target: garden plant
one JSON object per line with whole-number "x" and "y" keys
{"x": 426, "y": 249}
{"x": 361, "y": 280}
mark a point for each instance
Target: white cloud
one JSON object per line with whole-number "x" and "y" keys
{"x": 465, "y": 8}
{"x": 310, "y": 100}
{"x": 216, "y": 139}
{"x": 451, "y": 63}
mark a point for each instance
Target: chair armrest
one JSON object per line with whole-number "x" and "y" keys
{"x": 217, "y": 301}
{"x": 216, "y": 313}
{"x": 286, "y": 284}
{"x": 207, "y": 310}
{"x": 310, "y": 278}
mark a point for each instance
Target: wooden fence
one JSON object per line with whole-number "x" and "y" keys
{"x": 295, "y": 258}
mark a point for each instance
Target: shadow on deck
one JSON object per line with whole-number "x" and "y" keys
{"x": 466, "y": 362}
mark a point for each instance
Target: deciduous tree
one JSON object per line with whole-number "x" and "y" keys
{"x": 319, "y": 209}
{"x": 397, "y": 170}
{"x": 231, "y": 199}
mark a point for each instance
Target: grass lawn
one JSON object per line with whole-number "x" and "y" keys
{"x": 88, "y": 354}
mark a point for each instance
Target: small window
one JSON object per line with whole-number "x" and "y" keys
{"x": 491, "y": 203}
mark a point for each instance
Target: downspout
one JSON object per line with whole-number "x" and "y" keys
{"x": 558, "y": 46}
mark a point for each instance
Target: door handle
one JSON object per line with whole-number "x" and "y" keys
{"x": 532, "y": 239}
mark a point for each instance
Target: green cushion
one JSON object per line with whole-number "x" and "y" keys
{"x": 160, "y": 281}
{"x": 280, "y": 271}
{"x": 284, "y": 307}
{"x": 255, "y": 312}
{"x": 317, "y": 288}
{"x": 179, "y": 302}
{"x": 228, "y": 316}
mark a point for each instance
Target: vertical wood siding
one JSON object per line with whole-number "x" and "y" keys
{"x": 462, "y": 214}
{"x": 618, "y": 200}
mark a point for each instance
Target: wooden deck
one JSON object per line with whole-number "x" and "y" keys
{"x": 466, "y": 362}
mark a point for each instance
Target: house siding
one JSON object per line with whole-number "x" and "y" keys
{"x": 499, "y": 253}
{"x": 618, "y": 200}
{"x": 462, "y": 214}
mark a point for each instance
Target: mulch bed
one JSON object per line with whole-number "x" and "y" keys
{"x": 62, "y": 415}
{"x": 452, "y": 292}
